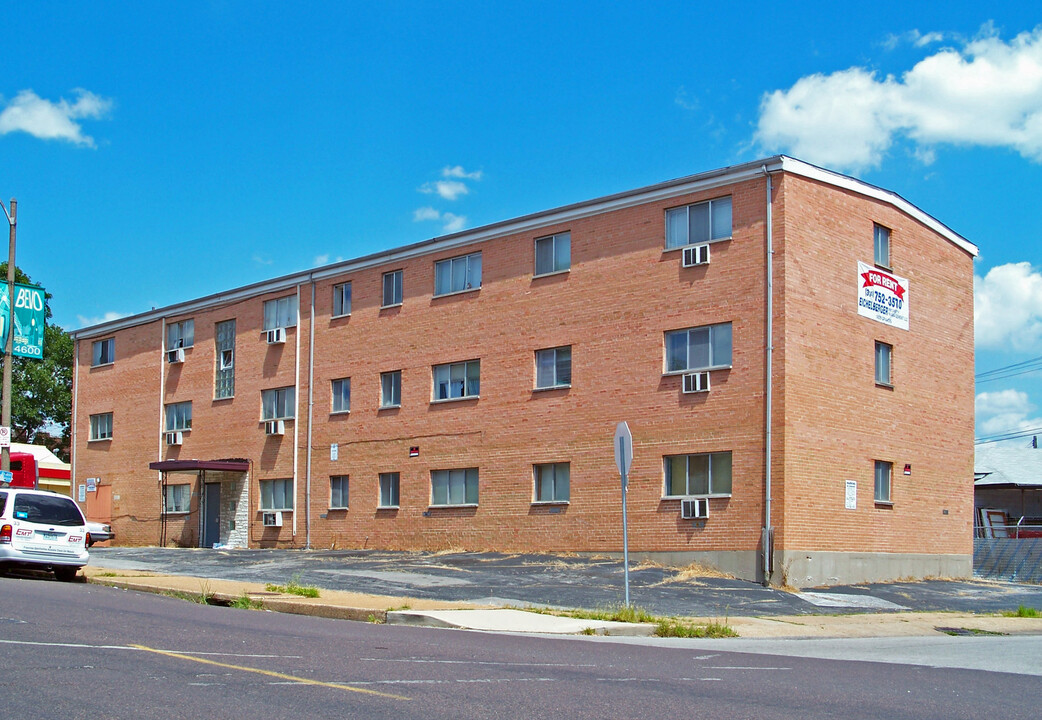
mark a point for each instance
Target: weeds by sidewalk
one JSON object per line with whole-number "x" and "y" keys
{"x": 664, "y": 627}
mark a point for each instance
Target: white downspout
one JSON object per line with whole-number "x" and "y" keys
{"x": 311, "y": 408}
{"x": 75, "y": 414}
{"x": 296, "y": 420}
{"x": 767, "y": 536}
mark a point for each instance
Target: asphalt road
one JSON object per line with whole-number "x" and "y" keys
{"x": 558, "y": 581}
{"x": 77, "y": 651}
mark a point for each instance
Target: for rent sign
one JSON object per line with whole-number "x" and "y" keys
{"x": 881, "y": 296}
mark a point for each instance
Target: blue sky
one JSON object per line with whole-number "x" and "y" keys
{"x": 163, "y": 151}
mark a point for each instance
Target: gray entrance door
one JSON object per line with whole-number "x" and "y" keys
{"x": 211, "y": 514}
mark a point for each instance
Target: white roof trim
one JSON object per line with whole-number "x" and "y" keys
{"x": 533, "y": 223}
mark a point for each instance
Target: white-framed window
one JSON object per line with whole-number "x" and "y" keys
{"x": 701, "y": 474}
{"x": 101, "y": 426}
{"x": 280, "y": 312}
{"x": 389, "y": 489}
{"x": 553, "y": 367}
{"x": 342, "y": 395}
{"x": 551, "y": 482}
{"x": 884, "y": 472}
{"x": 278, "y": 403}
{"x": 884, "y": 354}
{"x": 701, "y": 348}
{"x": 392, "y": 294}
{"x": 699, "y": 223}
{"x": 276, "y": 494}
{"x": 338, "y": 492}
{"x": 179, "y": 416}
{"x": 342, "y": 299}
{"x": 103, "y": 352}
{"x": 881, "y": 245}
{"x": 180, "y": 334}
{"x": 454, "y": 487}
{"x": 391, "y": 389}
{"x": 177, "y": 498}
{"x": 457, "y": 274}
{"x": 224, "y": 345}
{"x": 457, "y": 380}
{"x": 553, "y": 254}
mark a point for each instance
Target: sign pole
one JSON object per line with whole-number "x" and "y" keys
{"x": 623, "y": 444}
{"x": 12, "y": 220}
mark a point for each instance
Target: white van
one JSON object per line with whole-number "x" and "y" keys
{"x": 42, "y": 530}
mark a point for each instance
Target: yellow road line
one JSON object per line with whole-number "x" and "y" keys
{"x": 269, "y": 673}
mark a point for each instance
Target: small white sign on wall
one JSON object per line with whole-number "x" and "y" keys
{"x": 82, "y": 494}
{"x": 334, "y": 451}
{"x": 851, "y": 499}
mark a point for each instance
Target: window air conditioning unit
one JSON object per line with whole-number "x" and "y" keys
{"x": 696, "y": 382}
{"x": 273, "y": 519}
{"x": 177, "y": 355}
{"x": 696, "y": 255}
{"x": 174, "y": 438}
{"x": 275, "y": 427}
{"x": 694, "y": 509}
{"x": 277, "y": 336}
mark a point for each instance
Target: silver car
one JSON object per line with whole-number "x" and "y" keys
{"x": 42, "y": 530}
{"x": 99, "y": 532}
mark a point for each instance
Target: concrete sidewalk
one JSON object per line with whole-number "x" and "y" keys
{"x": 465, "y": 615}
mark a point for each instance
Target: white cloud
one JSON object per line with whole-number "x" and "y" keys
{"x": 1004, "y": 411}
{"x": 454, "y": 223}
{"x": 450, "y": 221}
{"x": 447, "y": 189}
{"x": 107, "y": 317}
{"x": 425, "y": 213}
{"x": 326, "y": 258}
{"x": 1007, "y": 308}
{"x": 457, "y": 171}
{"x": 47, "y": 120}
{"x": 262, "y": 260}
{"x": 987, "y": 93}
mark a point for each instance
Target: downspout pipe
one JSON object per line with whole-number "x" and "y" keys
{"x": 311, "y": 412}
{"x": 767, "y": 536}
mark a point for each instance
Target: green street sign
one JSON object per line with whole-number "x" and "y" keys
{"x": 29, "y": 317}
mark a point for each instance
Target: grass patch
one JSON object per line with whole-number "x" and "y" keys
{"x": 245, "y": 602}
{"x": 1023, "y": 611}
{"x": 107, "y": 574}
{"x": 293, "y": 588}
{"x": 671, "y": 627}
{"x": 960, "y": 631}
{"x": 620, "y": 614}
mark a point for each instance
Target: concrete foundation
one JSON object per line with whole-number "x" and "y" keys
{"x": 814, "y": 568}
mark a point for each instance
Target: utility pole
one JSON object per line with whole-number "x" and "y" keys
{"x": 12, "y": 220}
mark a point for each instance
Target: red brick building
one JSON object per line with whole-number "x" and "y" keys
{"x": 463, "y": 392}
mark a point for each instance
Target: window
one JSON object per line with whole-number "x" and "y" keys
{"x": 103, "y": 352}
{"x": 884, "y": 353}
{"x": 457, "y": 380}
{"x": 280, "y": 313}
{"x": 454, "y": 487}
{"x": 553, "y": 254}
{"x": 699, "y": 223}
{"x": 338, "y": 491}
{"x": 884, "y": 471}
{"x": 705, "y": 474}
{"x": 180, "y": 334}
{"x": 392, "y": 289}
{"x": 551, "y": 482}
{"x": 278, "y": 404}
{"x": 391, "y": 389}
{"x": 342, "y": 395}
{"x": 389, "y": 490}
{"x": 457, "y": 274}
{"x": 177, "y": 498}
{"x": 276, "y": 494}
{"x": 101, "y": 426}
{"x": 701, "y": 348}
{"x": 881, "y": 241}
{"x": 342, "y": 299}
{"x": 553, "y": 367}
{"x": 179, "y": 416}
{"x": 224, "y": 375}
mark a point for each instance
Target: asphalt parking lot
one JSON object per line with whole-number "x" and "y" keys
{"x": 560, "y": 581}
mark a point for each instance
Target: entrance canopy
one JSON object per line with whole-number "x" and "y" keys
{"x": 233, "y": 465}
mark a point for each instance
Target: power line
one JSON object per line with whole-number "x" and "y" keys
{"x": 1020, "y": 368}
{"x": 1011, "y": 435}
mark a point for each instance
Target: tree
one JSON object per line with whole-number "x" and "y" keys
{"x": 41, "y": 390}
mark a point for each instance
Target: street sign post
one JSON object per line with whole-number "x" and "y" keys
{"x": 623, "y": 443}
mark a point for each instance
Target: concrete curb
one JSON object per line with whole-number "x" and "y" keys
{"x": 509, "y": 620}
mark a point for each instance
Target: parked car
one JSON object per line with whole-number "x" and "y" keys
{"x": 99, "y": 532}
{"x": 42, "y": 530}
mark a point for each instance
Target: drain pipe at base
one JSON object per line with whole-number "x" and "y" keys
{"x": 767, "y": 534}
